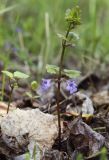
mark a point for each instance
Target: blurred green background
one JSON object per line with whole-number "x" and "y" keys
{"x": 28, "y": 34}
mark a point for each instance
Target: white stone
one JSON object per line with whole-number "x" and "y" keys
{"x": 40, "y": 127}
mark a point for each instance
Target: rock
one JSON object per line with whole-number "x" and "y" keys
{"x": 47, "y": 155}
{"x": 101, "y": 98}
{"x": 82, "y": 138}
{"x": 80, "y": 103}
{"x": 21, "y": 157}
{"x": 20, "y": 128}
{"x": 55, "y": 155}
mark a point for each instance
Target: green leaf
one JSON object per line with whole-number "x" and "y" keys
{"x": 20, "y": 75}
{"x": 103, "y": 155}
{"x": 52, "y": 69}
{"x": 79, "y": 156}
{"x": 74, "y": 35}
{"x": 71, "y": 73}
{"x": 34, "y": 85}
{"x": 61, "y": 36}
{"x": 27, "y": 156}
{"x": 15, "y": 85}
{"x": 4, "y": 10}
{"x": 8, "y": 74}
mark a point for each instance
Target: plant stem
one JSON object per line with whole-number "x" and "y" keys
{"x": 3, "y": 87}
{"x": 59, "y": 82}
{"x": 10, "y": 96}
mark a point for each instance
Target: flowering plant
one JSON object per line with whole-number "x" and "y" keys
{"x": 72, "y": 18}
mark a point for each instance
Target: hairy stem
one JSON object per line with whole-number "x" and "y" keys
{"x": 59, "y": 82}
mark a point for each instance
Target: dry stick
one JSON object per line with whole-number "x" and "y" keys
{"x": 59, "y": 82}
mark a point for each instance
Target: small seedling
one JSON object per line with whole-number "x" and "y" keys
{"x": 34, "y": 86}
{"x": 13, "y": 82}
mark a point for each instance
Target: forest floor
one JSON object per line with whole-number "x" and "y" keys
{"x": 84, "y": 117}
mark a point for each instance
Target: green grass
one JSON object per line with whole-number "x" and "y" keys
{"x": 40, "y": 21}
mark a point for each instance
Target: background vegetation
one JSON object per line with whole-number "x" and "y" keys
{"x": 28, "y": 33}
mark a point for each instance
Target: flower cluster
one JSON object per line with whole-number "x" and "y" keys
{"x": 71, "y": 86}
{"x": 45, "y": 85}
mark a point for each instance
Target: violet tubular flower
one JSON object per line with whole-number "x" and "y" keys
{"x": 46, "y": 84}
{"x": 71, "y": 86}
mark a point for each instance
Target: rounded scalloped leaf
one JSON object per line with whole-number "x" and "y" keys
{"x": 52, "y": 69}
{"x": 8, "y": 74}
{"x": 20, "y": 75}
{"x": 71, "y": 73}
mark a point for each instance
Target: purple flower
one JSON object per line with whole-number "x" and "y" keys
{"x": 45, "y": 85}
{"x": 71, "y": 86}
